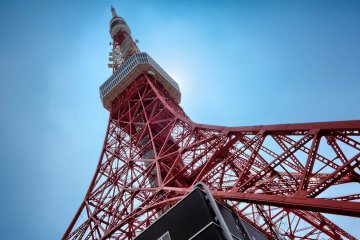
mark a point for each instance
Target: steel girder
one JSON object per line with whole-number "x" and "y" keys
{"x": 281, "y": 178}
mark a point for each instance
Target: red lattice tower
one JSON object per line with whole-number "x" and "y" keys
{"x": 280, "y": 178}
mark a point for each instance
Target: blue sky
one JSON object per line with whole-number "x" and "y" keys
{"x": 237, "y": 63}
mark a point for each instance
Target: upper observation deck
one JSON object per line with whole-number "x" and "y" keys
{"x": 129, "y": 71}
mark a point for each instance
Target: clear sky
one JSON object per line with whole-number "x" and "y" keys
{"x": 237, "y": 63}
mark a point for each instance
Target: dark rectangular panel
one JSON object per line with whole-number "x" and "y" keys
{"x": 193, "y": 218}
{"x": 182, "y": 221}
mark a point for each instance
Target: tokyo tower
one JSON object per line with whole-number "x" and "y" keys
{"x": 281, "y": 179}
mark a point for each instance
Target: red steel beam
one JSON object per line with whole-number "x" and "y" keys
{"x": 308, "y": 204}
{"x": 327, "y": 126}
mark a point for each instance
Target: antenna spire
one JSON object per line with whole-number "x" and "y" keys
{"x": 113, "y": 11}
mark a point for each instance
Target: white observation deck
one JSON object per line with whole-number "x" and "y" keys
{"x": 129, "y": 71}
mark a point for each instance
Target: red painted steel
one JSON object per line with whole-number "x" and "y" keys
{"x": 153, "y": 154}
{"x": 281, "y": 178}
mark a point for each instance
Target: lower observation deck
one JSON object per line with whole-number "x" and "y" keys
{"x": 129, "y": 71}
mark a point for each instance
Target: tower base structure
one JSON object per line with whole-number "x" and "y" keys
{"x": 276, "y": 177}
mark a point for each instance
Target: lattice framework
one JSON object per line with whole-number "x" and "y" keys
{"x": 281, "y": 178}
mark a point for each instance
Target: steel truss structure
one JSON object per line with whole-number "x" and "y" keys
{"x": 280, "y": 178}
